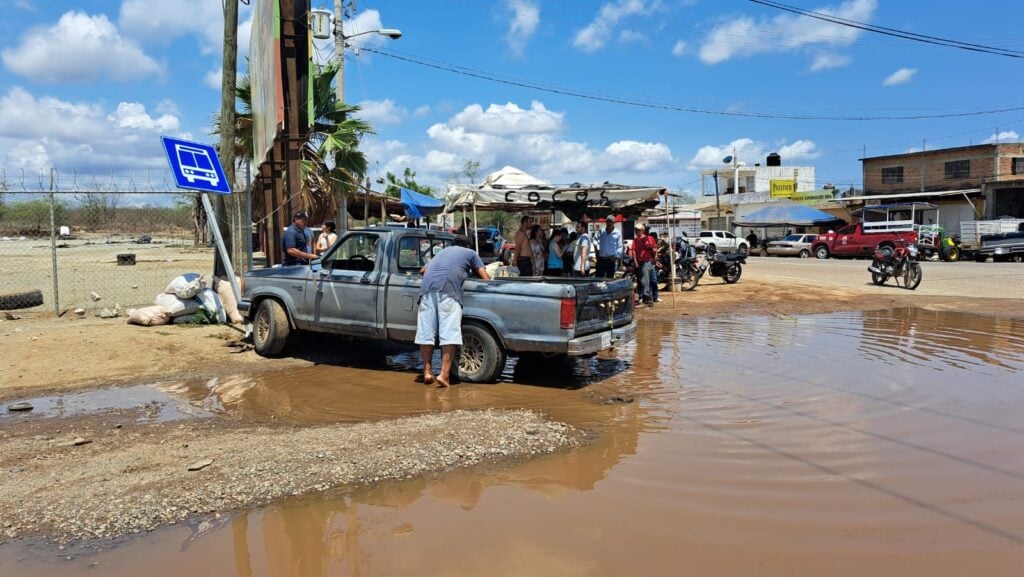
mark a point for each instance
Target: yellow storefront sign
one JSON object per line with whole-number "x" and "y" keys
{"x": 783, "y": 188}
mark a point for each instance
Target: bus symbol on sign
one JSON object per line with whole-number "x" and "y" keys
{"x": 195, "y": 166}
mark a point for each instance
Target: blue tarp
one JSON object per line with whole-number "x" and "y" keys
{"x": 786, "y": 214}
{"x": 418, "y": 205}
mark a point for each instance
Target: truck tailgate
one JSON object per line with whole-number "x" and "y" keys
{"x": 601, "y": 306}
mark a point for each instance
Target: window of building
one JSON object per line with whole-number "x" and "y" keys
{"x": 893, "y": 175}
{"x": 1017, "y": 166}
{"x": 958, "y": 169}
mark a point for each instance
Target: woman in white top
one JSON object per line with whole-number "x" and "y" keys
{"x": 326, "y": 239}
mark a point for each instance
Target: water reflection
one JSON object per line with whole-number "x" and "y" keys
{"x": 858, "y": 443}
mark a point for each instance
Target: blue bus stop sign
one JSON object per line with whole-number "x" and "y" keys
{"x": 195, "y": 166}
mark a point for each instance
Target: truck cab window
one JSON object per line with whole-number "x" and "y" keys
{"x": 415, "y": 252}
{"x": 356, "y": 252}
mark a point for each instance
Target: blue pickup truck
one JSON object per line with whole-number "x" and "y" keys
{"x": 367, "y": 284}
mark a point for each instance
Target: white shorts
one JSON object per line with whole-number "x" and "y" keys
{"x": 439, "y": 320}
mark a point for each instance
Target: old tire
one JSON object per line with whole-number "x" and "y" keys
{"x": 270, "y": 328}
{"x": 913, "y": 278}
{"x": 20, "y": 299}
{"x": 821, "y": 252}
{"x": 732, "y": 274}
{"x": 950, "y": 254}
{"x": 481, "y": 358}
{"x": 804, "y": 253}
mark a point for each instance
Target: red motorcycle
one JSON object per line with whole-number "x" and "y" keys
{"x": 898, "y": 262}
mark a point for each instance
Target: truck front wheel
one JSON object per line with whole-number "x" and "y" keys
{"x": 270, "y": 328}
{"x": 481, "y": 358}
{"x": 821, "y": 252}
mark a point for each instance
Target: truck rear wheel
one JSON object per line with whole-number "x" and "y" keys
{"x": 481, "y": 358}
{"x": 270, "y": 329}
{"x": 979, "y": 257}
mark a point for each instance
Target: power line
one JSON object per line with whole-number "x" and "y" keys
{"x": 578, "y": 93}
{"x": 893, "y": 31}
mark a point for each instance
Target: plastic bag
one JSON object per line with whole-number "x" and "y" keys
{"x": 177, "y": 307}
{"x": 211, "y": 303}
{"x": 227, "y": 298}
{"x": 186, "y": 286}
{"x": 150, "y": 316}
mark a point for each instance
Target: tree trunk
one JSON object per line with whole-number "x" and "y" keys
{"x": 227, "y": 127}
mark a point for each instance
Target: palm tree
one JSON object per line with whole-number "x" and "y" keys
{"x": 331, "y": 155}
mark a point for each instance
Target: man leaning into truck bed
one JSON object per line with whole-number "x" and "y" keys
{"x": 439, "y": 320}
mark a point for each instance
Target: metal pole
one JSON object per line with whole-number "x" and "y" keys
{"x": 221, "y": 249}
{"x": 718, "y": 207}
{"x": 476, "y": 237}
{"x": 671, "y": 248}
{"x": 339, "y": 92}
{"x": 53, "y": 245}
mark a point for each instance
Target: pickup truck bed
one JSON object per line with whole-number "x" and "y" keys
{"x": 368, "y": 284}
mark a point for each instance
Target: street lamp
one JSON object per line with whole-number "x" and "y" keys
{"x": 340, "y": 42}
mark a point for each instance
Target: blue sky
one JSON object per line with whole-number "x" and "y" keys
{"x": 92, "y": 84}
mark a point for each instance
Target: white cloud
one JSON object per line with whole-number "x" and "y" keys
{"x": 595, "y": 35}
{"x": 367, "y": 20}
{"x": 632, "y": 37}
{"x": 508, "y": 119}
{"x": 214, "y": 78}
{"x": 1004, "y": 136}
{"x": 49, "y": 131}
{"x": 382, "y": 112}
{"x": 744, "y": 36}
{"x": 529, "y": 138}
{"x": 828, "y": 61}
{"x": 421, "y": 111}
{"x": 751, "y": 151}
{"x": 901, "y": 76}
{"x": 525, "y": 18}
{"x": 79, "y": 48}
{"x": 679, "y": 49}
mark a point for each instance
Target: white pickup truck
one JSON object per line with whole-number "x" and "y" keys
{"x": 721, "y": 241}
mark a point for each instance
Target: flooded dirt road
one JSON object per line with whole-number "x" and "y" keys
{"x": 877, "y": 442}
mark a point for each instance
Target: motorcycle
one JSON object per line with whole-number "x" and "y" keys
{"x": 896, "y": 262}
{"x": 689, "y": 268}
{"x": 728, "y": 266}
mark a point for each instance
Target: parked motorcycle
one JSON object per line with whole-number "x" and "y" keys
{"x": 899, "y": 263}
{"x": 689, "y": 268}
{"x": 729, "y": 266}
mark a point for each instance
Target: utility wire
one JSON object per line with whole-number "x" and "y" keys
{"x": 577, "y": 93}
{"x": 893, "y": 31}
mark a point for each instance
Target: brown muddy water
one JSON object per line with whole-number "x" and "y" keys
{"x": 874, "y": 443}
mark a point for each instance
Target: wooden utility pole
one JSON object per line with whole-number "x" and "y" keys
{"x": 227, "y": 126}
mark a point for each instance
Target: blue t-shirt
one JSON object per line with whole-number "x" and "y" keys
{"x": 294, "y": 237}
{"x": 554, "y": 261}
{"x": 448, "y": 270}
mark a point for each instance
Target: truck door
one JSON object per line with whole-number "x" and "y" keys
{"x": 414, "y": 252}
{"x": 847, "y": 241}
{"x": 344, "y": 298}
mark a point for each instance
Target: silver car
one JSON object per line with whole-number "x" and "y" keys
{"x": 793, "y": 245}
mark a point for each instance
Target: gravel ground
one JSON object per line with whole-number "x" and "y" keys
{"x": 133, "y": 479}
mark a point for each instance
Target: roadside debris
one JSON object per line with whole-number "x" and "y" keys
{"x": 200, "y": 465}
{"x": 188, "y": 300}
{"x": 16, "y": 407}
{"x": 95, "y": 296}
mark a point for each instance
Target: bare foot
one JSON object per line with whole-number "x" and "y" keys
{"x": 428, "y": 379}
{"x": 442, "y": 384}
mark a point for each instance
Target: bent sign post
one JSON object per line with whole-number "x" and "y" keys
{"x": 196, "y": 167}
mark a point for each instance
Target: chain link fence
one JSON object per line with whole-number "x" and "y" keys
{"x": 70, "y": 242}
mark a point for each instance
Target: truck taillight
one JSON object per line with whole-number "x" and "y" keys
{"x": 567, "y": 318}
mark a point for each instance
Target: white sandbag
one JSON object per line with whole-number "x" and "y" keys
{"x": 227, "y": 298}
{"x": 176, "y": 306}
{"x": 186, "y": 286}
{"x": 211, "y": 302}
{"x": 150, "y": 316}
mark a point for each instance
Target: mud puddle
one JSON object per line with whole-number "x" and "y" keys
{"x": 158, "y": 403}
{"x": 883, "y": 442}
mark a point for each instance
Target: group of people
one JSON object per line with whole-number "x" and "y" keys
{"x": 298, "y": 244}
{"x": 567, "y": 253}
